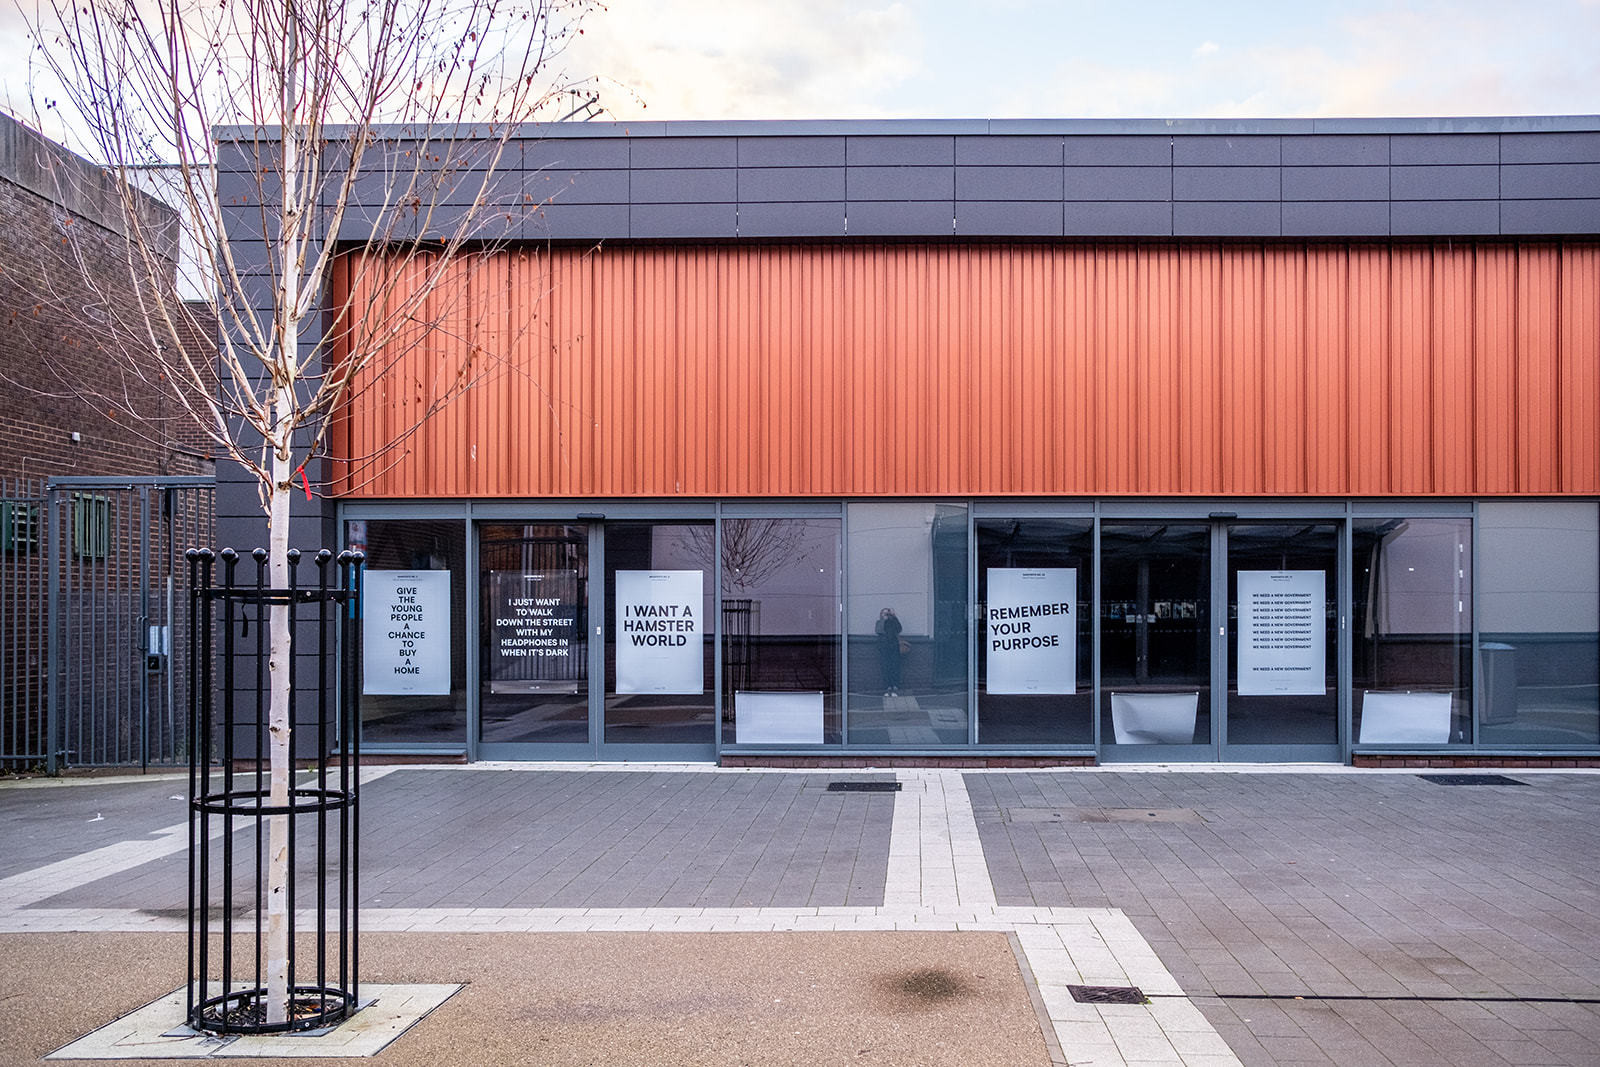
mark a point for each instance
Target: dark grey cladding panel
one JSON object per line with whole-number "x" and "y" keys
{"x": 1427, "y": 218}
{"x": 684, "y": 186}
{"x": 1118, "y": 183}
{"x": 1117, "y": 151}
{"x": 576, "y": 154}
{"x": 237, "y": 496}
{"x": 683, "y": 220}
{"x": 1335, "y": 183}
{"x": 1227, "y": 220}
{"x": 1550, "y": 148}
{"x": 690, "y": 152}
{"x": 1226, "y": 183}
{"x": 1111, "y": 219}
{"x": 1553, "y": 181}
{"x": 1333, "y": 150}
{"x": 1437, "y": 149}
{"x": 1012, "y": 218}
{"x": 376, "y": 187}
{"x": 1008, "y": 151}
{"x": 238, "y": 189}
{"x": 899, "y": 151}
{"x": 258, "y": 290}
{"x": 1335, "y": 219}
{"x": 1550, "y": 216}
{"x": 785, "y": 184}
{"x": 236, "y": 155}
{"x": 503, "y": 187}
{"x": 1009, "y": 183}
{"x": 900, "y": 183}
{"x": 1227, "y": 151}
{"x": 575, "y": 222}
{"x": 907, "y": 219}
{"x": 576, "y": 187}
{"x": 249, "y": 222}
{"x": 363, "y": 222}
{"x": 488, "y": 224}
{"x": 792, "y": 220}
{"x": 1461, "y": 182}
{"x": 791, "y": 151}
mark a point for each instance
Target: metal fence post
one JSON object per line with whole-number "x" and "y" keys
{"x": 53, "y": 653}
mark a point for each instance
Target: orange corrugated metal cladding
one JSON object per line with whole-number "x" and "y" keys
{"x": 988, "y": 369}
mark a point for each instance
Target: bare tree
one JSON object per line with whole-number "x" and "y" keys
{"x": 260, "y": 120}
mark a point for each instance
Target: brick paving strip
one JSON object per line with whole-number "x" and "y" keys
{"x": 937, "y": 882}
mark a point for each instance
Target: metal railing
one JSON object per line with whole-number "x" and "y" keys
{"x": 92, "y": 590}
{"x": 233, "y": 813}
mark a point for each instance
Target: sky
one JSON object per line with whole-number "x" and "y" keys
{"x": 708, "y": 59}
{"x": 783, "y": 59}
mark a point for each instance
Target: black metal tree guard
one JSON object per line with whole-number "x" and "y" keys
{"x": 230, "y": 809}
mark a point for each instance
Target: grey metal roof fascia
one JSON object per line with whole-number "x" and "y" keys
{"x": 978, "y": 127}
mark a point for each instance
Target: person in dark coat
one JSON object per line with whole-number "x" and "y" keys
{"x": 888, "y": 630}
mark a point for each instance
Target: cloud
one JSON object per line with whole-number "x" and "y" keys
{"x": 698, "y": 59}
{"x": 1427, "y": 59}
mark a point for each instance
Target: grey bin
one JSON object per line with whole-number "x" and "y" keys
{"x": 1498, "y": 693}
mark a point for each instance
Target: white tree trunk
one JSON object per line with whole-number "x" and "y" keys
{"x": 280, "y": 727}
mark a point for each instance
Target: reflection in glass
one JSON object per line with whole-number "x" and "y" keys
{"x": 534, "y": 661}
{"x": 907, "y": 617}
{"x": 780, "y": 631}
{"x": 1048, "y": 702}
{"x": 417, "y": 544}
{"x": 660, "y": 680}
{"x": 1304, "y": 556}
{"x": 1538, "y": 617}
{"x": 1412, "y": 631}
{"x": 1155, "y": 610}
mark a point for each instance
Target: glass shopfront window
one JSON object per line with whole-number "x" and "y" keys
{"x": 1411, "y": 640}
{"x": 414, "y": 662}
{"x": 907, "y": 612}
{"x": 1036, "y": 641}
{"x": 1538, "y": 623}
{"x": 533, "y": 596}
{"x": 781, "y": 624}
{"x": 661, "y": 644}
{"x": 1155, "y": 612}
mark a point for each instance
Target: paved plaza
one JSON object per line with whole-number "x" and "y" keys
{"x": 641, "y": 914}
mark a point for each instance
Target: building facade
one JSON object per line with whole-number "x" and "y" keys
{"x": 1074, "y": 441}
{"x": 101, "y": 472}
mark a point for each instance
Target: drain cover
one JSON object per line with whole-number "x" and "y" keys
{"x": 863, "y": 787}
{"x": 1035, "y": 815}
{"x": 1107, "y": 994}
{"x": 1469, "y": 779}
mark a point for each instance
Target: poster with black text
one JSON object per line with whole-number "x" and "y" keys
{"x": 405, "y": 634}
{"x": 1283, "y": 633}
{"x": 1032, "y": 616}
{"x": 659, "y": 632}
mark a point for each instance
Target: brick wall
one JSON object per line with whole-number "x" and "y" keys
{"x": 71, "y": 358}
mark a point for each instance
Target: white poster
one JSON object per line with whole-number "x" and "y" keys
{"x": 1032, "y": 637}
{"x": 659, "y": 646}
{"x": 777, "y": 718}
{"x": 1283, "y": 633}
{"x": 405, "y": 632}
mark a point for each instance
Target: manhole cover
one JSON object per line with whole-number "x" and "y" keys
{"x": 1107, "y": 994}
{"x": 1469, "y": 779}
{"x": 863, "y": 787}
{"x": 1047, "y": 815}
